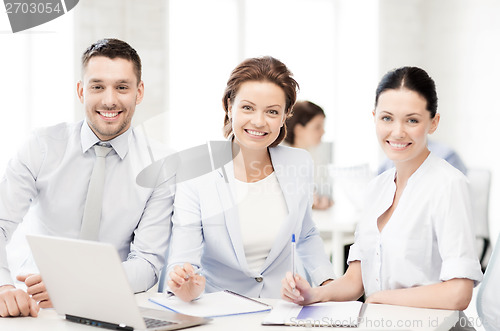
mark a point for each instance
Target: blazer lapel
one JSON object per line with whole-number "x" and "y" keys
{"x": 284, "y": 170}
{"x": 225, "y": 187}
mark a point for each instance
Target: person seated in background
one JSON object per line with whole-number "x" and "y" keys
{"x": 415, "y": 244}
{"x": 232, "y": 227}
{"x": 305, "y": 128}
{"x": 437, "y": 148}
{"x": 51, "y": 177}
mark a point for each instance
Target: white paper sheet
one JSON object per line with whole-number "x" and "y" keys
{"x": 215, "y": 304}
{"x": 318, "y": 314}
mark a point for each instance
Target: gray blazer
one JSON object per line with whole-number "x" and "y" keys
{"x": 206, "y": 229}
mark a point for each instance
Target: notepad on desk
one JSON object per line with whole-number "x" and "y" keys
{"x": 216, "y": 304}
{"x": 339, "y": 314}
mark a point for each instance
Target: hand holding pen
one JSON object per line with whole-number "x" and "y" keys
{"x": 297, "y": 290}
{"x": 294, "y": 288}
{"x": 185, "y": 283}
{"x": 294, "y": 250}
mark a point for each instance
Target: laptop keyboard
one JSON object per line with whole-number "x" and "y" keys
{"x": 154, "y": 323}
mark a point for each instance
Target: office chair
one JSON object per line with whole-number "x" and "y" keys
{"x": 480, "y": 180}
{"x": 487, "y": 305}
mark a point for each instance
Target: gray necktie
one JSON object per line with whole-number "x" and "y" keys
{"x": 93, "y": 204}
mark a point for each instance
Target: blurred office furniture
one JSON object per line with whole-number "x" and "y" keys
{"x": 337, "y": 224}
{"x": 480, "y": 182}
{"x": 350, "y": 183}
{"x": 487, "y": 298}
{"x": 322, "y": 156}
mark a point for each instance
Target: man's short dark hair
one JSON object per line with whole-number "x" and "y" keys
{"x": 113, "y": 48}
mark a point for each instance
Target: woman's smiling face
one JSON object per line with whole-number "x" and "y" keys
{"x": 257, "y": 113}
{"x": 402, "y": 123}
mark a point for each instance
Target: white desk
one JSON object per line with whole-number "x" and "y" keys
{"x": 376, "y": 317}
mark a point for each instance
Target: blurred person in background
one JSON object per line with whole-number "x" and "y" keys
{"x": 305, "y": 128}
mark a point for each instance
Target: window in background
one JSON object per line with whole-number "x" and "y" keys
{"x": 329, "y": 45}
{"x": 205, "y": 48}
{"x": 356, "y": 78}
{"x": 37, "y": 86}
{"x": 301, "y": 33}
{"x": 202, "y": 42}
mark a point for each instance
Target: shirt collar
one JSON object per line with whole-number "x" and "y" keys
{"x": 423, "y": 167}
{"x": 119, "y": 144}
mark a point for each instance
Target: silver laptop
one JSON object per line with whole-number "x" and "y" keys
{"x": 87, "y": 284}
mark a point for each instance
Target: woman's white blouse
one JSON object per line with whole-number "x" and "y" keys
{"x": 269, "y": 215}
{"x": 429, "y": 237}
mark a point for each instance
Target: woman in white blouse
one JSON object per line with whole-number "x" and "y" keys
{"x": 415, "y": 243}
{"x": 232, "y": 227}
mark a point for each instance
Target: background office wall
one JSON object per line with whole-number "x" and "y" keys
{"x": 338, "y": 49}
{"x": 143, "y": 25}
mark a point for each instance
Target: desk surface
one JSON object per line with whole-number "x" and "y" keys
{"x": 376, "y": 317}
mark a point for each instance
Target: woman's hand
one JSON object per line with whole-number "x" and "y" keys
{"x": 297, "y": 290}
{"x": 185, "y": 283}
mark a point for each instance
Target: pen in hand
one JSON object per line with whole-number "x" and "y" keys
{"x": 293, "y": 259}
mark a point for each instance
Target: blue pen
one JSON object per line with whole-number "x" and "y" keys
{"x": 293, "y": 256}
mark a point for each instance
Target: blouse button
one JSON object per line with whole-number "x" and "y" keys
{"x": 259, "y": 279}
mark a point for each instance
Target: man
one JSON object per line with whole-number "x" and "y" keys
{"x": 50, "y": 177}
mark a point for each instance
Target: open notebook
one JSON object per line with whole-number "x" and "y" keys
{"x": 333, "y": 314}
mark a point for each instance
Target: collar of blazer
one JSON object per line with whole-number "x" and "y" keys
{"x": 287, "y": 165}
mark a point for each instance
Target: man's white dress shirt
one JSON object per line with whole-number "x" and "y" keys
{"x": 429, "y": 237}
{"x": 49, "y": 177}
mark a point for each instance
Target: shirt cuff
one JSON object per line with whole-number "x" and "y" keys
{"x": 461, "y": 268}
{"x": 5, "y": 278}
{"x": 320, "y": 274}
{"x": 354, "y": 254}
{"x": 140, "y": 274}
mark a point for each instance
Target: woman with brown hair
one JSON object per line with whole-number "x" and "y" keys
{"x": 233, "y": 227}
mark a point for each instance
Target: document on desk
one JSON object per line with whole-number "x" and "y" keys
{"x": 335, "y": 314}
{"x": 216, "y": 304}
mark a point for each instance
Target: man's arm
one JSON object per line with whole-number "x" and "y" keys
{"x": 151, "y": 238}
{"x": 16, "y": 302}
{"x": 17, "y": 190}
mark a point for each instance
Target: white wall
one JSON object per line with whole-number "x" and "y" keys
{"x": 36, "y": 80}
{"x": 356, "y": 76}
{"x": 143, "y": 25}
